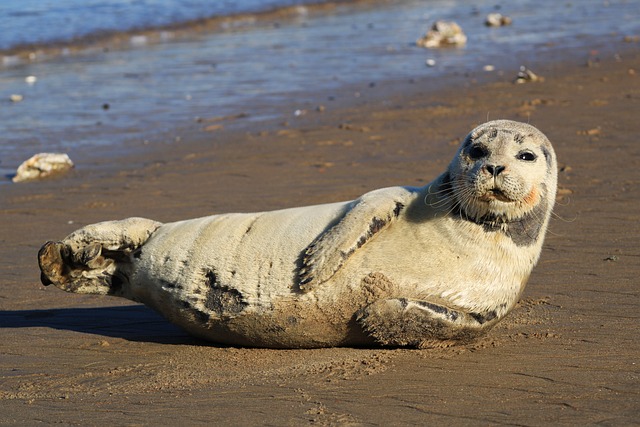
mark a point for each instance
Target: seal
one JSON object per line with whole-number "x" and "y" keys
{"x": 400, "y": 266}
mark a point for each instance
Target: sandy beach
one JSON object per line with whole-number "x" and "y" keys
{"x": 567, "y": 355}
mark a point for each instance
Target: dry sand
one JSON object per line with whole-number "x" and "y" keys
{"x": 568, "y": 354}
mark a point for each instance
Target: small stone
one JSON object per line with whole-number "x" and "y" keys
{"x": 138, "y": 40}
{"x": 430, "y": 62}
{"x": 590, "y": 132}
{"x": 30, "y": 80}
{"x": 497, "y": 20}
{"x": 565, "y": 168}
{"x": 525, "y": 75}
{"x": 42, "y": 165}
{"x": 489, "y": 68}
{"x": 443, "y": 33}
{"x": 16, "y": 97}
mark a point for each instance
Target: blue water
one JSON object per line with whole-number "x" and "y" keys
{"x": 264, "y": 69}
{"x": 45, "y": 21}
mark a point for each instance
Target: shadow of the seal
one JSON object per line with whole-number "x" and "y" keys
{"x": 133, "y": 323}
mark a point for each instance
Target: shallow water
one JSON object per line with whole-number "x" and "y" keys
{"x": 106, "y": 97}
{"x": 64, "y": 20}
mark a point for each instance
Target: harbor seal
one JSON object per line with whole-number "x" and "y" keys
{"x": 400, "y": 266}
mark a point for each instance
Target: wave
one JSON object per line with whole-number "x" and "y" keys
{"x": 149, "y": 34}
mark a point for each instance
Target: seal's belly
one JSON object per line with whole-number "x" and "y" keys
{"x": 457, "y": 266}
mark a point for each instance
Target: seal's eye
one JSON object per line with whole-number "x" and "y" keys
{"x": 527, "y": 156}
{"x": 477, "y": 152}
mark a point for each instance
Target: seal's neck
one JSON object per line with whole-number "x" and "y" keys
{"x": 524, "y": 231}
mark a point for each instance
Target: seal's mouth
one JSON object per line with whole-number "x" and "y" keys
{"x": 496, "y": 194}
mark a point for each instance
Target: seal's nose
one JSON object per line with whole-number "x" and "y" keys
{"x": 494, "y": 170}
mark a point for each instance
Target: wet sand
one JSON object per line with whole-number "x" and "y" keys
{"x": 568, "y": 353}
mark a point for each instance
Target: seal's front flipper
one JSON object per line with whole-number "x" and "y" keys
{"x": 367, "y": 216}
{"x": 407, "y": 322}
{"x": 93, "y": 259}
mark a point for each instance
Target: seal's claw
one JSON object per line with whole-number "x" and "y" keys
{"x": 90, "y": 253}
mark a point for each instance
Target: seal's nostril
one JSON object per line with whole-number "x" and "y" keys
{"x": 494, "y": 170}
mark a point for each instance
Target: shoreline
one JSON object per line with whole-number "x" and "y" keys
{"x": 566, "y": 354}
{"x": 111, "y": 101}
{"x": 106, "y": 40}
{"x": 315, "y": 105}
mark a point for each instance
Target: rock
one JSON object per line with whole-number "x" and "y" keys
{"x": 42, "y": 165}
{"x": 525, "y": 75}
{"x": 497, "y": 20}
{"x": 16, "y": 97}
{"x": 443, "y": 33}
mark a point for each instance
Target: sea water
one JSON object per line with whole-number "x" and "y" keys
{"x": 78, "y": 88}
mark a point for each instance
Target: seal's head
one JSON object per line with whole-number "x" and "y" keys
{"x": 503, "y": 172}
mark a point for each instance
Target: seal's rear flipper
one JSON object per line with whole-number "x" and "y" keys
{"x": 94, "y": 259}
{"x": 407, "y": 322}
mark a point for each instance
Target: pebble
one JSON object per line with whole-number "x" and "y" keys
{"x": 138, "y": 40}
{"x": 497, "y": 20}
{"x": 16, "y": 97}
{"x": 525, "y": 75}
{"x": 30, "y": 80}
{"x": 443, "y": 33}
{"x": 430, "y": 62}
